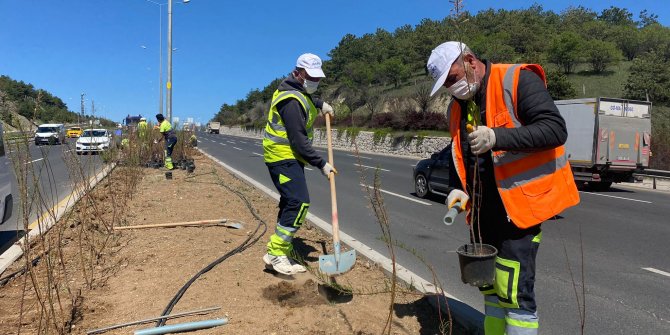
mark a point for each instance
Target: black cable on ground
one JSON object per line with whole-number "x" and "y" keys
{"x": 4, "y": 280}
{"x": 251, "y": 240}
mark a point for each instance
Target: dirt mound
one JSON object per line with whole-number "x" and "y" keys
{"x": 287, "y": 294}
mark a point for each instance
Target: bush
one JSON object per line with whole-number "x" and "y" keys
{"x": 426, "y": 121}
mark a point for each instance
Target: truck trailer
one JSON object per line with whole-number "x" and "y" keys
{"x": 608, "y": 139}
{"x": 213, "y": 127}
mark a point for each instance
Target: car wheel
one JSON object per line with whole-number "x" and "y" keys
{"x": 420, "y": 186}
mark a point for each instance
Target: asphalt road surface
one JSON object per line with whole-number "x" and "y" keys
{"x": 619, "y": 238}
{"x": 49, "y": 163}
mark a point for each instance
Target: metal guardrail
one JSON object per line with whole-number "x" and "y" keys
{"x": 654, "y": 174}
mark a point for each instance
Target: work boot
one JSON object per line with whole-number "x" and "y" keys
{"x": 280, "y": 264}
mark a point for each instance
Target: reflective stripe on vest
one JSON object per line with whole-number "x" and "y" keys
{"x": 276, "y": 146}
{"x": 534, "y": 186}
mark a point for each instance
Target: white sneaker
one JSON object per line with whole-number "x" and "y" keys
{"x": 280, "y": 264}
{"x": 297, "y": 267}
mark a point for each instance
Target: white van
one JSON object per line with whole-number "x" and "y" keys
{"x": 50, "y": 133}
{"x": 6, "y": 202}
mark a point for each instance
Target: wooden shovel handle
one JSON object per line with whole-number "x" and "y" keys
{"x": 333, "y": 193}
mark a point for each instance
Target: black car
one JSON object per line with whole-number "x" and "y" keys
{"x": 432, "y": 175}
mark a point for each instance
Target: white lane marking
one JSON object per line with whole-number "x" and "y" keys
{"x": 660, "y": 272}
{"x": 257, "y": 154}
{"x": 237, "y": 148}
{"x": 308, "y": 168}
{"x": 612, "y": 196}
{"x": 400, "y": 195}
{"x": 413, "y": 165}
{"x": 358, "y": 156}
{"x": 231, "y": 142}
{"x": 36, "y": 160}
{"x": 221, "y": 143}
{"x": 371, "y": 167}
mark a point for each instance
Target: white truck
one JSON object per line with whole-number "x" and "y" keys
{"x": 608, "y": 139}
{"x": 213, "y": 127}
{"x": 6, "y": 200}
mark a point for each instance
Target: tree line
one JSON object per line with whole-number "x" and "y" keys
{"x": 23, "y": 98}
{"x": 360, "y": 69}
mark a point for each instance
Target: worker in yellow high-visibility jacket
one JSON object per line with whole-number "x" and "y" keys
{"x": 287, "y": 147}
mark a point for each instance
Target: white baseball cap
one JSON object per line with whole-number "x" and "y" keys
{"x": 440, "y": 62}
{"x": 312, "y": 64}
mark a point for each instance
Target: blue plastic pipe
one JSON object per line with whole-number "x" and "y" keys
{"x": 182, "y": 327}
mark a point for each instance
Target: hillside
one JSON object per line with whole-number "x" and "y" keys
{"x": 21, "y": 104}
{"x": 378, "y": 80}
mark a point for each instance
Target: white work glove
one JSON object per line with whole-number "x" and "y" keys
{"x": 155, "y": 141}
{"x": 482, "y": 139}
{"x": 327, "y": 109}
{"x": 327, "y": 169}
{"x": 455, "y": 196}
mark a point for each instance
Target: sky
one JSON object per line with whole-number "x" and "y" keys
{"x": 109, "y": 49}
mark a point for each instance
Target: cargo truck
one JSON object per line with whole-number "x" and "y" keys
{"x": 213, "y": 127}
{"x": 608, "y": 139}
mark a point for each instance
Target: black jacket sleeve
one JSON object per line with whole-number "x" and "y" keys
{"x": 294, "y": 119}
{"x": 543, "y": 126}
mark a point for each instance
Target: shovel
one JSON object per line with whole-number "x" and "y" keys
{"x": 338, "y": 263}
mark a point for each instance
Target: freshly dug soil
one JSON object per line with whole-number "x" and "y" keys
{"x": 141, "y": 270}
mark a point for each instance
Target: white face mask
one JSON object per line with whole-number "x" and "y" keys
{"x": 463, "y": 90}
{"x": 310, "y": 86}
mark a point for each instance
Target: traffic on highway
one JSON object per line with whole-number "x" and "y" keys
{"x": 595, "y": 237}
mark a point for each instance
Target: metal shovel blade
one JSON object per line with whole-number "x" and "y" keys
{"x": 338, "y": 263}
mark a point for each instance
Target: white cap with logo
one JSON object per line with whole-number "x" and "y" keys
{"x": 312, "y": 64}
{"x": 440, "y": 62}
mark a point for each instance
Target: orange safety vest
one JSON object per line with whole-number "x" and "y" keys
{"x": 534, "y": 186}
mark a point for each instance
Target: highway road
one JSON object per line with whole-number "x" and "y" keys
{"x": 49, "y": 163}
{"x": 619, "y": 238}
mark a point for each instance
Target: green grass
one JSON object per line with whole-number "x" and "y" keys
{"x": 609, "y": 84}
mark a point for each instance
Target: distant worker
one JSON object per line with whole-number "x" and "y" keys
{"x": 516, "y": 152}
{"x": 193, "y": 140}
{"x": 287, "y": 147}
{"x": 142, "y": 128}
{"x": 170, "y": 137}
{"x": 118, "y": 133}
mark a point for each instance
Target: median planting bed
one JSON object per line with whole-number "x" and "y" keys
{"x": 136, "y": 273}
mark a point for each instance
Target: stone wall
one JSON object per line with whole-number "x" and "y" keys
{"x": 366, "y": 141}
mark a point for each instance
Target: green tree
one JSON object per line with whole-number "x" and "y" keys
{"x": 647, "y": 19}
{"x": 566, "y": 51}
{"x": 617, "y": 16}
{"x": 649, "y": 76}
{"x": 628, "y": 40}
{"x": 558, "y": 85}
{"x": 602, "y": 54}
{"x": 395, "y": 70}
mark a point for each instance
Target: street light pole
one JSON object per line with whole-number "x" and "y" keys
{"x": 169, "y": 74}
{"x": 160, "y": 62}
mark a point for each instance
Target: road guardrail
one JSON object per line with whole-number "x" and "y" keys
{"x": 654, "y": 174}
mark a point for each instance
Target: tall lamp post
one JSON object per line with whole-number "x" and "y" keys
{"x": 169, "y": 74}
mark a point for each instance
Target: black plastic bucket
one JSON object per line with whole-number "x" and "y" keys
{"x": 478, "y": 264}
{"x": 168, "y": 175}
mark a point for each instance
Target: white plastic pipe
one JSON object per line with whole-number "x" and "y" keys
{"x": 182, "y": 327}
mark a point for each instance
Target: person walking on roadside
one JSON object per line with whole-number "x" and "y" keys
{"x": 170, "y": 137}
{"x": 510, "y": 172}
{"x": 287, "y": 147}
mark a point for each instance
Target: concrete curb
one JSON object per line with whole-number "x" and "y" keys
{"x": 46, "y": 221}
{"x": 467, "y": 317}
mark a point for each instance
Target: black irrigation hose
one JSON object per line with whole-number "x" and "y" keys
{"x": 251, "y": 240}
{"x": 4, "y": 280}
